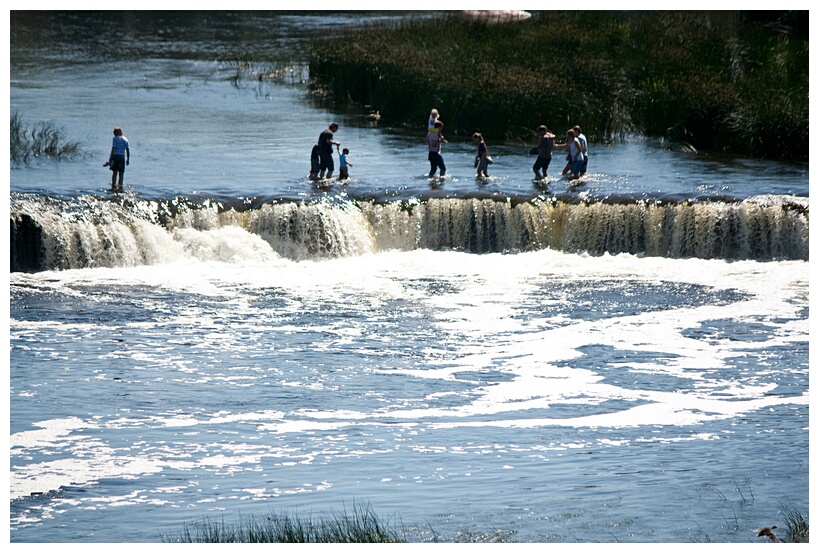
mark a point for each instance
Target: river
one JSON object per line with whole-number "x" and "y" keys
{"x": 620, "y": 359}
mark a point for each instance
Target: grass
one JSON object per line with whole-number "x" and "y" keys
{"x": 40, "y": 140}
{"x": 797, "y": 529}
{"x": 360, "y": 526}
{"x": 722, "y": 81}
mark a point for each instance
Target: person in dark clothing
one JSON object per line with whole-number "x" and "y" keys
{"x": 326, "y": 143}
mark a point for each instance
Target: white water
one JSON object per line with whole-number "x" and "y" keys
{"x": 297, "y": 357}
{"x": 93, "y": 232}
{"x": 434, "y": 384}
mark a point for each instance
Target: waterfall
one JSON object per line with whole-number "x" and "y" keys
{"x": 49, "y": 233}
{"x": 739, "y": 230}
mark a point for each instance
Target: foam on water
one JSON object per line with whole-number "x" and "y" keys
{"x": 229, "y": 339}
{"x": 477, "y": 315}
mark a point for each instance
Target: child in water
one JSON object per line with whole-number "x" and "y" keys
{"x": 343, "y": 164}
{"x": 482, "y": 160}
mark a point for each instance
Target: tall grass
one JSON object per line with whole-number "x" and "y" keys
{"x": 361, "y": 525}
{"x": 797, "y": 529}
{"x": 718, "y": 80}
{"x": 40, "y": 140}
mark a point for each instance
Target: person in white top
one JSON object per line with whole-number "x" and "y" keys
{"x": 575, "y": 152}
{"x": 582, "y": 138}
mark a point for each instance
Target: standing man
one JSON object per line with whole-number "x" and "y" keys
{"x": 545, "y": 145}
{"x": 582, "y": 138}
{"x": 326, "y": 143}
{"x": 119, "y": 158}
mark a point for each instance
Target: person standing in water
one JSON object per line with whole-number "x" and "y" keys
{"x": 544, "y": 147}
{"x": 343, "y": 165}
{"x": 582, "y": 138}
{"x": 575, "y": 149}
{"x": 482, "y": 160}
{"x": 434, "y": 140}
{"x": 326, "y": 143}
{"x": 120, "y": 157}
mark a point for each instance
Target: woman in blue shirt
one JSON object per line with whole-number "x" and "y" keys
{"x": 119, "y": 158}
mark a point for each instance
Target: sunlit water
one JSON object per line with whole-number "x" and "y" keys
{"x": 215, "y": 365}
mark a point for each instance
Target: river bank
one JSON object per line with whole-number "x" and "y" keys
{"x": 700, "y": 78}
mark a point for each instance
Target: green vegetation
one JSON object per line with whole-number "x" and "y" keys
{"x": 41, "y": 140}
{"x": 360, "y": 526}
{"x": 797, "y": 529}
{"x": 722, "y": 81}
{"x": 364, "y": 526}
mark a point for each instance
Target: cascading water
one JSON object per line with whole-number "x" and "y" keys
{"x": 238, "y": 340}
{"x": 47, "y": 233}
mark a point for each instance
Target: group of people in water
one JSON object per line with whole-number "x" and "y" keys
{"x": 575, "y": 146}
{"x": 321, "y": 157}
{"x": 322, "y": 164}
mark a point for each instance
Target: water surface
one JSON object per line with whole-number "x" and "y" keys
{"x": 482, "y": 360}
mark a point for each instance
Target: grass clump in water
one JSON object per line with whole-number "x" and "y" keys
{"x": 797, "y": 529}
{"x": 41, "y": 140}
{"x": 360, "y": 526}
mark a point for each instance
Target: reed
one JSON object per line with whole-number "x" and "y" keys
{"x": 243, "y": 70}
{"x": 40, "y": 140}
{"x": 718, "y": 80}
{"x": 361, "y": 525}
{"x": 797, "y": 529}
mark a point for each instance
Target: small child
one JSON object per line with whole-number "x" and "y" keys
{"x": 343, "y": 164}
{"x": 433, "y": 117}
{"x": 482, "y": 160}
{"x": 314, "y": 161}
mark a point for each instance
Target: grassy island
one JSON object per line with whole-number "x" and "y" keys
{"x": 719, "y": 81}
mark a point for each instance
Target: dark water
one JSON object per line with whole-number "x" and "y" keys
{"x": 488, "y": 361}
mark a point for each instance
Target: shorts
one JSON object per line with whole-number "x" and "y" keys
{"x": 542, "y": 163}
{"x": 326, "y": 161}
{"x": 118, "y": 164}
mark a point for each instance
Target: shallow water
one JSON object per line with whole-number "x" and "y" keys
{"x": 224, "y": 362}
{"x": 196, "y": 128}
